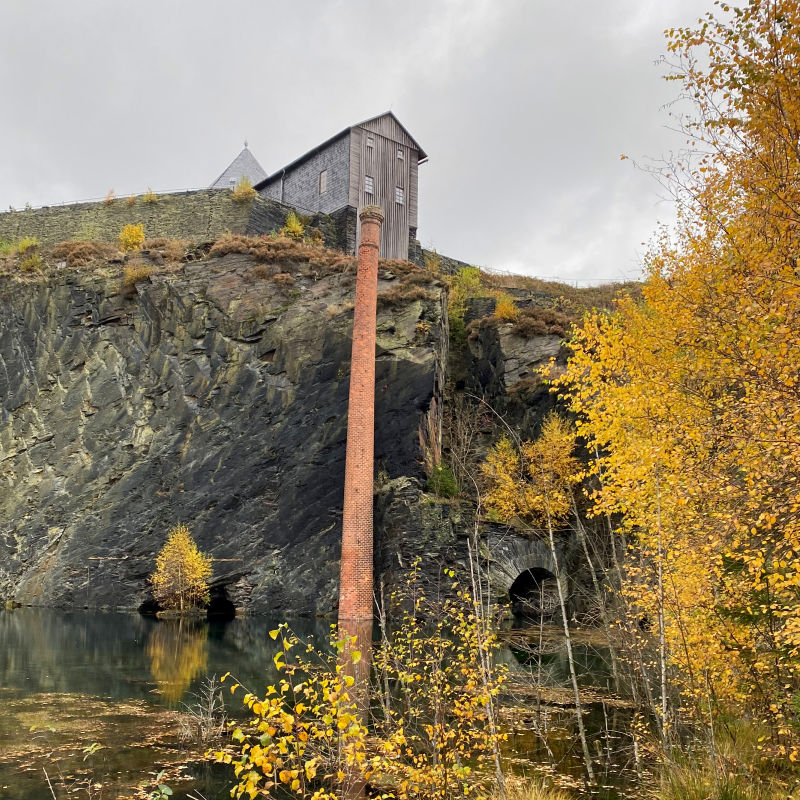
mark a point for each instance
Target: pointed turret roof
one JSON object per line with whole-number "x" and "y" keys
{"x": 244, "y": 165}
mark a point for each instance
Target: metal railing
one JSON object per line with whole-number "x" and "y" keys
{"x": 63, "y": 203}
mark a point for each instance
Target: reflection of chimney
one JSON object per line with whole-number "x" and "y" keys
{"x": 356, "y": 581}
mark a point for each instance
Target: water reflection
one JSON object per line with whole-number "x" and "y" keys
{"x": 127, "y": 656}
{"x": 79, "y": 662}
{"x": 178, "y": 653}
{"x": 543, "y": 656}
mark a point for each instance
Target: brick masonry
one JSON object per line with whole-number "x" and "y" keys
{"x": 356, "y": 579}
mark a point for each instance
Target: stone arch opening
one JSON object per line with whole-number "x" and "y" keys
{"x": 220, "y": 605}
{"x": 534, "y": 594}
{"x": 149, "y": 608}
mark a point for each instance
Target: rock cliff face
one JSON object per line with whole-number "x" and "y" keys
{"x": 210, "y": 396}
{"x": 503, "y": 367}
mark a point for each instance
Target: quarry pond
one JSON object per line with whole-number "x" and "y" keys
{"x": 95, "y": 702}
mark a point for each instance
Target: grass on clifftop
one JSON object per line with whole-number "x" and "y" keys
{"x": 281, "y": 257}
{"x": 582, "y": 298}
{"x": 544, "y": 307}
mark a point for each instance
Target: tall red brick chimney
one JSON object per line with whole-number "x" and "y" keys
{"x": 356, "y": 580}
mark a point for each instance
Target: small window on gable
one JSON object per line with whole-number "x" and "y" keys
{"x": 369, "y": 184}
{"x": 370, "y": 142}
{"x": 323, "y": 181}
{"x": 400, "y": 155}
{"x": 399, "y": 195}
{"x": 232, "y": 181}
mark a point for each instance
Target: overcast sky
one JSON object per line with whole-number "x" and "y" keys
{"x": 523, "y": 106}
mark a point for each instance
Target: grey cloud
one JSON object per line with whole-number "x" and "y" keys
{"x": 523, "y": 107}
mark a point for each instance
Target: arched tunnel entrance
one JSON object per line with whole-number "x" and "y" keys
{"x": 534, "y": 594}
{"x": 220, "y": 605}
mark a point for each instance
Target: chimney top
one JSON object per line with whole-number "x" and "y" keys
{"x": 372, "y": 212}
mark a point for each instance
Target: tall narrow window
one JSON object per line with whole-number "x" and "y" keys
{"x": 369, "y": 184}
{"x": 370, "y": 142}
{"x": 323, "y": 181}
{"x": 399, "y": 195}
{"x": 400, "y": 156}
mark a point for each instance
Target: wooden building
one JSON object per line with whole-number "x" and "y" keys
{"x": 372, "y": 163}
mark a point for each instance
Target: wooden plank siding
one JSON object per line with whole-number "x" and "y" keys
{"x": 355, "y": 165}
{"x": 381, "y": 163}
{"x": 347, "y": 161}
{"x": 413, "y": 182}
{"x": 388, "y": 127}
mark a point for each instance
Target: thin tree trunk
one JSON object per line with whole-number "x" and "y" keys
{"x": 581, "y": 531}
{"x": 632, "y": 634}
{"x": 662, "y": 645}
{"x": 485, "y": 659}
{"x": 572, "y": 673}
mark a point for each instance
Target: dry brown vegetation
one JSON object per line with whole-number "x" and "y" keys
{"x": 409, "y": 288}
{"x": 531, "y": 321}
{"x": 402, "y": 293}
{"x": 295, "y": 256}
{"x": 79, "y": 254}
{"x": 133, "y": 273}
{"x": 285, "y": 252}
{"x": 283, "y": 280}
{"x": 417, "y": 277}
{"x": 582, "y": 298}
{"x": 335, "y": 309}
{"x": 171, "y": 250}
{"x": 534, "y": 321}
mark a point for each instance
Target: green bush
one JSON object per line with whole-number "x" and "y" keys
{"x": 442, "y": 482}
{"x": 20, "y": 246}
{"x": 464, "y": 285}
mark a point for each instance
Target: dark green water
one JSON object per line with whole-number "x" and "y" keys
{"x": 68, "y": 680}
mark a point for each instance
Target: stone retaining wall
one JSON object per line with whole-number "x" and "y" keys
{"x": 201, "y": 214}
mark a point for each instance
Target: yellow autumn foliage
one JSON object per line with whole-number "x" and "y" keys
{"x": 178, "y": 653}
{"x": 434, "y": 730}
{"x": 243, "y": 191}
{"x": 530, "y": 481}
{"x": 691, "y": 398}
{"x": 506, "y": 309}
{"x": 131, "y": 237}
{"x": 182, "y": 572}
{"x": 293, "y": 227}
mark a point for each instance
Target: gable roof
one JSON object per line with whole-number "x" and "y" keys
{"x": 244, "y": 165}
{"x": 384, "y": 123}
{"x": 373, "y": 123}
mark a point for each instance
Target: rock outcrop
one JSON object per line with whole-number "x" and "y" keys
{"x": 213, "y": 395}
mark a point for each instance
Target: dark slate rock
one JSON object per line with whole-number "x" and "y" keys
{"x": 211, "y": 400}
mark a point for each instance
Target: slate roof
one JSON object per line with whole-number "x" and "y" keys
{"x": 244, "y": 165}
